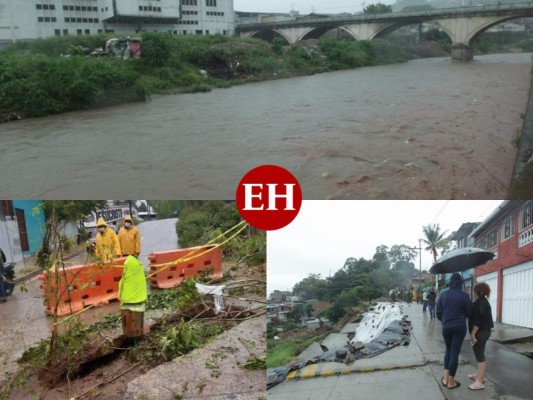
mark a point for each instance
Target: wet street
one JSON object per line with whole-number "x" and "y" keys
{"x": 24, "y": 322}
{"x": 414, "y": 371}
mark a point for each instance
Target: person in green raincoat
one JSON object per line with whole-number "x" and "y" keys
{"x": 132, "y": 295}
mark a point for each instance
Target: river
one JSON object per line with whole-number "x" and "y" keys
{"x": 429, "y": 128}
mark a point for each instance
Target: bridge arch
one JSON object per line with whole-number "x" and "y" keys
{"x": 269, "y": 35}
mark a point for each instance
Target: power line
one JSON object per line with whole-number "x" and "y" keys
{"x": 444, "y": 206}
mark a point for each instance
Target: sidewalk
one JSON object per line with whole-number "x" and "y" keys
{"x": 415, "y": 370}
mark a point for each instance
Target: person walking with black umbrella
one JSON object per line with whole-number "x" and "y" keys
{"x": 453, "y": 308}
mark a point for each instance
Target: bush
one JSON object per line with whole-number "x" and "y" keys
{"x": 156, "y": 48}
{"x": 40, "y": 85}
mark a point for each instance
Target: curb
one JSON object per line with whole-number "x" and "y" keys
{"x": 35, "y": 273}
{"x": 315, "y": 370}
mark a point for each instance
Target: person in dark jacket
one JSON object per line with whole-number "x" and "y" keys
{"x": 453, "y": 308}
{"x": 432, "y": 297}
{"x": 2, "y": 289}
{"x": 479, "y": 326}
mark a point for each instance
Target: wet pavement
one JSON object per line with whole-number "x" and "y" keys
{"x": 24, "y": 321}
{"x": 414, "y": 371}
{"x": 214, "y": 372}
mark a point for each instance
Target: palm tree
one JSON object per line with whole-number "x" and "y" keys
{"x": 435, "y": 240}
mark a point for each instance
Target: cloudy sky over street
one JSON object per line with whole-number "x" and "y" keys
{"x": 303, "y": 6}
{"x": 326, "y": 233}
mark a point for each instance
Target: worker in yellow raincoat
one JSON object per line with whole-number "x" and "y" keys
{"x": 132, "y": 295}
{"x": 107, "y": 245}
{"x": 129, "y": 238}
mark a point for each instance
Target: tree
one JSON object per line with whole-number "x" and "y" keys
{"x": 435, "y": 239}
{"x": 381, "y": 257}
{"x": 63, "y": 211}
{"x": 166, "y": 208}
{"x": 312, "y": 287}
{"x": 401, "y": 252}
{"x": 378, "y": 8}
{"x": 71, "y": 210}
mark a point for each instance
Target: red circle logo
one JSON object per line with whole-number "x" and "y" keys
{"x": 269, "y": 197}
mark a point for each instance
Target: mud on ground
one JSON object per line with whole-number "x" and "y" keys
{"x": 216, "y": 365}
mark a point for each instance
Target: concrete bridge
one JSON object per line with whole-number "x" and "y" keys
{"x": 463, "y": 25}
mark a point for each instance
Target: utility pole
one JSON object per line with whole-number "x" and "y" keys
{"x": 419, "y": 248}
{"x": 420, "y": 263}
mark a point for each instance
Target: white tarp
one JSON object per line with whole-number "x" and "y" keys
{"x": 375, "y": 321}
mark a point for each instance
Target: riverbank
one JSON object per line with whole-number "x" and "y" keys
{"x": 57, "y": 74}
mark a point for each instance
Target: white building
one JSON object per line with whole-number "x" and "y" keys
{"x": 37, "y": 19}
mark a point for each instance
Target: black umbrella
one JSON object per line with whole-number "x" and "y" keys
{"x": 461, "y": 259}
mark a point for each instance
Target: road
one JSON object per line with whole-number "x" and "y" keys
{"x": 414, "y": 371}
{"x": 24, "y": 322}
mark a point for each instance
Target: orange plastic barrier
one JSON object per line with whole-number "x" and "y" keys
{"x": 173, "y": 276}
{"x": 76, "y": 287}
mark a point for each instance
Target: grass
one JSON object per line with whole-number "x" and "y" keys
{"x": 283, "y": 351}
{"x": 54, "y": 75}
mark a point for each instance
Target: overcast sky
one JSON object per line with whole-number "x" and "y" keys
{"x": 304, "y": 6}
{"x": 326, "y": 233}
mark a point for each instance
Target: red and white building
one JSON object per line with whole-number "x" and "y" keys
{"x": 508, "y": 232}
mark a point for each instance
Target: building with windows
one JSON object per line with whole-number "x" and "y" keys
{"x": 22, "y": 227}
{"x": 462, "y": 238}
{"x": 508, "y": 232}
{"x": 38, "y": 19}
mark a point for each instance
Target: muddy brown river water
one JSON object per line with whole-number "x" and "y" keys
{"x": 429, "y": 128}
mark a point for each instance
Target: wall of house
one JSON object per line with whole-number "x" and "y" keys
{"x": 35, "y": 223}
{"x": 509, "y": 253}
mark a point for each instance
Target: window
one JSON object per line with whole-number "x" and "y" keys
{"x": 507, "y": 228}
{"x": 65, "y": 32}
{"x": 46, "y": 19}
{"x": 526, "y": 216}
{"x": 52, "y": 7}
{"x": 489, "y": 240}
{"x": 211, "y": 3}
{"x": 140, "y": 8}
{"x": 65, "y": 8}
{"x": 54, "y": 19}
{"x": 40, "y": 19}
{"x": 39, "y": 6}
{"x": 85, "y": 20}
{"x": 57, "y": 32}
{"x": 87, "y": 31}
{"x": 45, "y": 6}
{"x": 79, "y": 31}
{"x": 67, "y": 19}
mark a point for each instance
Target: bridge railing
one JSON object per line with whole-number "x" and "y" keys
{"x": 465, "y": 10}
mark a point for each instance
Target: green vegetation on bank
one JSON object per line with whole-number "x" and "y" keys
{"x": 54, "y": 75}
{"x": 281, "y": 352}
